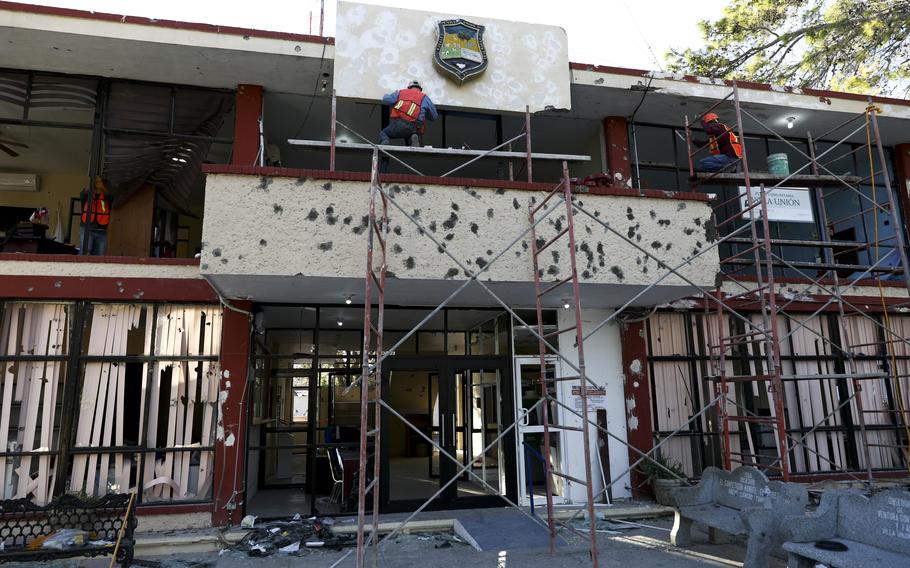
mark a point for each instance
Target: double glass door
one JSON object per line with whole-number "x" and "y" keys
{"x": 441, "y": 436}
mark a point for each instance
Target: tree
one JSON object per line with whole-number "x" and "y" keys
{"x": 848, "y": 45}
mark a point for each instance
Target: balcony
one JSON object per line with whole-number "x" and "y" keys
{"x": 282, "y": 235}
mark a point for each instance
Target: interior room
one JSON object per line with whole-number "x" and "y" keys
{"x": 136, "y": 149}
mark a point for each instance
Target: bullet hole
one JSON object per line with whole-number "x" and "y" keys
{"x": 500, "y": 191}
{"x": 668, "y": 246}
{"x": 454, "y": 206}
{"x": 697, "y": 221}
{"x": 347, "y": 220}
{"x": 638, "y": 260}
{"x": 540, "y": 273}
{"x": 396, "y": 248}
{"x": 224, "y": 261}
{"x": 515, "y": 203}
{"x": 688, "y": 230}
{"x": 331, "y": 219}
{"x": 473, "y": 194}
{"x": 59, "y": 284}
{"x": 480, "y": 261}
{"x": 588, "y": 230}
{"x": 656, "y": 244}
{"x": 638, "y": 237}
{"x": 552, "y": 270}
{"x": 216, "y": 252}
{"x": 489, "y": 252}
{"x": 397, "y": 230}
{"x": 474, "y": 228}
{"x": 312, "y": 215}
{"x": 681, "y": 205}
{"x": 533, "y": 200}
{"x": 597, "y": 213}
{"x": 600, "y": 248}
{"x": 441, "y": 249}
{"x": 540, "y": 242}
{"x": 452, "y": 273}
{"x": 518, "y": 254}
{"x": 396, "y": 189}
{"x": 326, "y": 246}
{"x": 710, "y": 231}
{"x": 263, "y": 242}
{"x": 432, "y": 226}
{"x": 300, "y": 181}
{"x": 524, "y": 245}
{"x": 449, "y": 223}
{"x": 629, "y": 215}
{"x": 644, "y": 269}
{"x": 421, "y": 191}
{"x": 663, "y": 222}
{"x": 555, "y": 254}
{"x": 698, "y": 244}
{"x": 586, "y": 274}
{"x": 601, "y": 263}
{"x": 558, "y": 224}
{"x": 327, "y": 186}
{"x": 449, "y": 236}
{"x": 631, "y": 232}
{"x": 490, "y": 213}
{"x": 390, "y": 274}
{"x": 265, "y": 182}
{"x": 277, "y": 209}
{"x": 410, "y": 263}
{"x": 416, "y": 214}
{"x": 652, "y": 214}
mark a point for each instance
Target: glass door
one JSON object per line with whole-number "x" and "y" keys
{"x": 530, "y": 440}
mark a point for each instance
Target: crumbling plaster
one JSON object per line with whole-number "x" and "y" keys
{"x": 311, "y": 227}
{"x": 815, "y": 292}
{"x": 97, "y": 269}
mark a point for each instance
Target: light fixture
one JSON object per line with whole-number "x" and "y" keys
{"x": 340, "y": 322}
{"x": 178, "y": 159}
{"x": 790, "y": 121}
{"x": 566, "y": 305}
{"x": 348, "y": 300}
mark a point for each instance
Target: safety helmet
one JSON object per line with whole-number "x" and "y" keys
{"x": 710, "y": 117}
{"x": 415, "y": 85}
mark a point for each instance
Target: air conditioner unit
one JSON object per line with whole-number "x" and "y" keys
{"x": 19, "y": 182}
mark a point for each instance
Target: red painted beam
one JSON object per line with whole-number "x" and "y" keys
{"x": 248, "y": 109}
{"x": 619, "y": 162}
{"x": 230, "y": 444}
{"x": 637, "y": 389}
{"x": 22, "y": 287}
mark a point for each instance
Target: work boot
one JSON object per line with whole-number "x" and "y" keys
{"x": 414, "y": 140}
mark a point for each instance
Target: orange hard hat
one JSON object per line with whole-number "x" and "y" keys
{"x": 709, "y": 117}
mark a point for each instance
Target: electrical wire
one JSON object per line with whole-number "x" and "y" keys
{"x": 306, "y": 115}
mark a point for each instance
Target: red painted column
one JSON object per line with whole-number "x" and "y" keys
{"x": 902, "y": 179}
{"x": 230, "y": 441}
{"x": 247, "y": 110}
{"x": 619, "y": 161}
{"x": 637, "y": 391}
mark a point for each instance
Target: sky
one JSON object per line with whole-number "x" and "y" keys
{"x": 623, "y": 33}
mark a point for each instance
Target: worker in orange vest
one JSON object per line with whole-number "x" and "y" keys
{"x": 410, "y": 110}
{"x": 96, "y": 215}
{"x": 724, "y": 146}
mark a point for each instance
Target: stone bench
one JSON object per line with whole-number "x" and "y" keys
{"x": 742, "y": 503}
{"x": 876, "y": 531}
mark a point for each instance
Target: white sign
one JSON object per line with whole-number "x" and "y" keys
{"x": 597, "y": 397}
{"x": 789, "y": 204}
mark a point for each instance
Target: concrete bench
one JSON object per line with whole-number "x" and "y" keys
{"x": 742, "y": 503}
{"x": 876, "y": 531}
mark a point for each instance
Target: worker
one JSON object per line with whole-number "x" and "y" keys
{"x": 96, "y": 215}
{"x": 410, "y": 109}
{"x": 724, "y": 146}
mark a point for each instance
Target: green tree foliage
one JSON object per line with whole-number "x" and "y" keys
{"x": 851, "y": 45}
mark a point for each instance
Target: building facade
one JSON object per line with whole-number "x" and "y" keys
{"x": 210, "y": 359}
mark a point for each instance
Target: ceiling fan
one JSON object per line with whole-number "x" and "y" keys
{"x": 6, "y": 146}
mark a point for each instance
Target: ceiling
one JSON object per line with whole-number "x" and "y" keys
{"x": 50, "y": 150}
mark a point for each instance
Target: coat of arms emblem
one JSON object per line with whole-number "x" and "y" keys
{"x": 459, "y": 49}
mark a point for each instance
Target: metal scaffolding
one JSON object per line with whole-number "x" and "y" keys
{"x": 744, "y": 349}
{"x": 737, "y": 333}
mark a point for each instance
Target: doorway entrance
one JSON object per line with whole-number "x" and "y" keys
{"x": 458, "y": 403}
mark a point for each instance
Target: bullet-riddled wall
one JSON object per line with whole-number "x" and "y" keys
{"x": 281, "y": 226}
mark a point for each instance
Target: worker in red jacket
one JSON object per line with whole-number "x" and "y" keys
{"x": 410, "y": 109}
{"x": 724, "y": 146}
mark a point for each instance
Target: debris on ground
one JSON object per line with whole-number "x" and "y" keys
{"x": 291, "y": 537}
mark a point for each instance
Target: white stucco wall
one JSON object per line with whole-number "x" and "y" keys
{"x": 97, "y": 269}
{"x": 380, "y": 49}
{"x": 603, "y": 363}
{"x": 311, "y": 227}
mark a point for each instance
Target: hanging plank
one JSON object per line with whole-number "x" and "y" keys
{"x": 11, "y": 324}
{"x": 89, "y": 396}
{"x": 29, "y": 411}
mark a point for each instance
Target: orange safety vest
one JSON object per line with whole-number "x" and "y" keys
{"x": 101, "y": 212}
{"x": 407, "y": 107}
{"x": 734, "y": 143}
